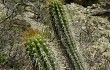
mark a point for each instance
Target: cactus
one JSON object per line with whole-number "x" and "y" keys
{"x": 61, "y": 29}
{"x": 40, "y": 54}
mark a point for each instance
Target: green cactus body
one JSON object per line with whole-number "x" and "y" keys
{"x": 40, "y": 55}
{"x": 59, "y": 24}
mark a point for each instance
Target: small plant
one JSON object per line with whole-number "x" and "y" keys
{"x": 3, "y": 59}
{"x": 63, "y": 35}
{"x": 40, "y": 54}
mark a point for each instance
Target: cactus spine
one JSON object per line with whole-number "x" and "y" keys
{"x": 40, "y": 54}
{"x": 59, "y": 24}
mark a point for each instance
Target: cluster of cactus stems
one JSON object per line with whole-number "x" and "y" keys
{"x": 40, "y": 54}
{"x": 61, "y": 29}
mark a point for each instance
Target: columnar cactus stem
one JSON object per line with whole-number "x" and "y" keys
{"x": 61, "y": 29}
{"x": 40, "y": 54}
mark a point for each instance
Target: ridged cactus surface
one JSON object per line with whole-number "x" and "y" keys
{"x": 40, "y": 54}
{"x": 61, "y": 29}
